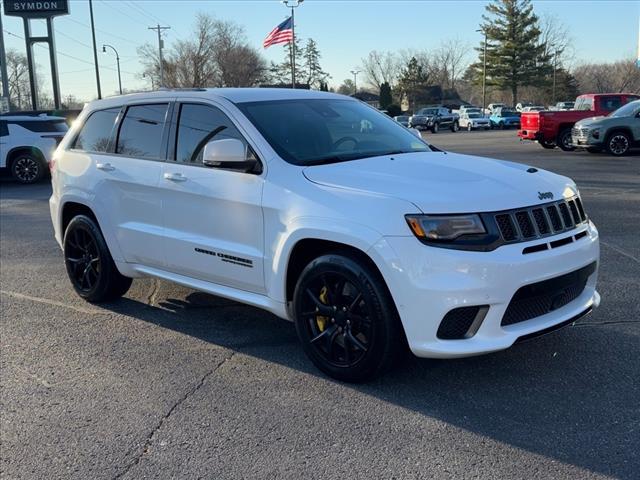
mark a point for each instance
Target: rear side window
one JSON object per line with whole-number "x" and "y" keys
{"x": 41, "y": 126}
{"x": 141, "y": 131}
{"x": 610, "y": 104}
{"x": 96, "y": 131}
{"x": 197, "y": 125}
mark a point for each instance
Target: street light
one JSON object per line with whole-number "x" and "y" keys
{"x": 293, "y": 4}
{"x": 355, "y": 80}
{"x": 104, "y": 50}
{"x": 555, "y": 68}
{"x": 484, "y": 69}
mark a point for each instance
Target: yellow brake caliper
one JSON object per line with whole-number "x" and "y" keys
{"x": 320, "y": 320}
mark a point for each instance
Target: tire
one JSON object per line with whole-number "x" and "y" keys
{"x": 618, "y": 144}
{"x": 435, "y": 128}
{"x": 90, "y": 267}
{"x": 501, "y": 126}
{"x": 345, "y": 318}
{"x": 547, "y": 144}
{"x": 469, "y": 127}
{"x": 564, "y": 140}
{"x": 455, "y": 127}
{"x": 27, "y": 168}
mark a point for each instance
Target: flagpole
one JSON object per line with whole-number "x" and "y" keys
{"x": 293, "y": 50}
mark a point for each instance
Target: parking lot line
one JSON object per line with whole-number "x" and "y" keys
{"x": 47, "y": 301}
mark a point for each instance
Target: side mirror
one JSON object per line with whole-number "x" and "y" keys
{"x": 228, "y": 153}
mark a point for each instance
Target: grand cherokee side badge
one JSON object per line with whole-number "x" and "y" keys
{"x": 545, "y": 195}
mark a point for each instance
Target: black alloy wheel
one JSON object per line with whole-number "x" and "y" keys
{"x": 90, "y": 267}
{"x": 345, "y": 318}
{"x": 618, "y": 144}
{"x": 27, "y": 168}
{"x": 564, "y": 140}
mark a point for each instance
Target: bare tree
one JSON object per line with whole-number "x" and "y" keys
{"x": 18, "y": 78}
{"x": 620, "y": 76}
{"x": 217, "y": 55}
{"x": 449, "y": 62}
{"x": 380, "y": 67}
{"x": 556, "y": 39}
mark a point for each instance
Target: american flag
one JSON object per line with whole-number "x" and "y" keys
{"x": 283, "y": 33}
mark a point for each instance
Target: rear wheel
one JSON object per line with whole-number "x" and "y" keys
{"x": 91, "y": 269}
{"x": 564, "y": 140}
{"x": 27, "y": 168}
{"x": 547, "y": 144}
{"x": 345, "y": 318}
{"x": 618, "y": 144}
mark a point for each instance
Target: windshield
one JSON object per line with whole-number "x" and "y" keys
{"x": 316, "y": 131}
{"x": 628, "y": 110}
{"x": 428, "y": 111}
{"x": 474, "y": 115}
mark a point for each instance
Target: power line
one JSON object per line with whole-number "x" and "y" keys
{"x": 144, "y": 12}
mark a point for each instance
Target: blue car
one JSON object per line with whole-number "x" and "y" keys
{"x": 503, "y": 118}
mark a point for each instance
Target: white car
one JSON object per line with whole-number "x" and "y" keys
{"x": 493, "y": 107}
{"x": 533, "y": 108}
{"x": 472, "y": 120}
{"x": 368, "y": 240}
{"x": 27, "y": 144}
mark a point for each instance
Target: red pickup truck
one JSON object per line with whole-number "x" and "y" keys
{"x": 551, "y": 128}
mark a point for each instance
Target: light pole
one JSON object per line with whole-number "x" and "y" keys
{"x": 95, "y": 50}
{"x": 555, "y": 68}
{"x": 484, "y": 70}
{"x": 355, "y": 80}
{"x": 104, "y": 50}
{"x": 292, "y": 4}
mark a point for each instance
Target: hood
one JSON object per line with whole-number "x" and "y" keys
{"x": 442, "y": 182}
{"x": 586, "y": 122}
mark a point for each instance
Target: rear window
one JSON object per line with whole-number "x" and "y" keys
{"x": 43, "y": 126}
{"x": 141, "y": 131}
{"x": 96, "y": 131}
{"x": 584, "y": 103}
{"x": 610, "y": 103}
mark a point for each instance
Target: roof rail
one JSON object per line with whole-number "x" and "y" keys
{"x": 178, "y": 89}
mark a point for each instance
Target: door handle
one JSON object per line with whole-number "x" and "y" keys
{"x": 175, "y": 177}
{"x": 107, "y": 167}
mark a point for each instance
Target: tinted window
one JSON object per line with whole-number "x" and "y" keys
{"x": 316, "y": 131}
{"x": 610, "y": 103}
{"x": 198, "y": 125}
{"x": 4, "y": 130}
{"x": 96, "y": 131}
{"x": 141, "y": 131}
{"x": 44, "y": 126}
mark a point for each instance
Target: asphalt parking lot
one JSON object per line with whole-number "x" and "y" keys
{"x": 172, "y": 383}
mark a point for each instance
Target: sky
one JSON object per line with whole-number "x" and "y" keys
{"x": 345, "y": 30}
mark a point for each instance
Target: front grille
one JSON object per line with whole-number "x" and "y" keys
{"x": 540, "y": 298}
{"x": 580, "y": 134}
{"x": 456, "y": 323}
{"x": 520, "y": 225}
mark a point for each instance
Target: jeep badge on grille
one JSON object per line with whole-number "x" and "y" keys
{"x": 545, "y": 195}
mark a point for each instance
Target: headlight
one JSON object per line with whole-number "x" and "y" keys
{"x": 442, "y": 228}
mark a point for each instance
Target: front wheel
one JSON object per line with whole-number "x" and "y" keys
{"x": 91, "y": 269}
{"x": 435, "y": 128}
{"x": 469, "y": 127}
{"x": 564, "y": 140}
{"x": 27, "y": 168}
{"x": 455, "y": 127}
{"x": 501, "y": 126}
{"x": 547, "y": 144}
{"x": 346, "y": 319}
{"x": 618, "y": 144}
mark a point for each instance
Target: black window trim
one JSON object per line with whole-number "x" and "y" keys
{"x": 172, "y": 140}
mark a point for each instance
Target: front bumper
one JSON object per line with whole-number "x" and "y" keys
{"x": 427, "y": 282}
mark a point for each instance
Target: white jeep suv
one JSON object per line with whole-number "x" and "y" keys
{"x": 323, "y": 211}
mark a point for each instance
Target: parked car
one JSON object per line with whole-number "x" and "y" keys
{"x": 563, "y": 106}
{"x": 402, "y": 120}
{"x": 367, "y": 240}
{"x": 504, "y": 118}
{"x": 534, "y": 108}
{"x": 434, "y": 119}
{"x": 616, "y": 133}
{"x": 554, "y": 128}
{"x": 27, "y": 143}
{"x": 473, "y": 120}
{"x": 522, "y": 105}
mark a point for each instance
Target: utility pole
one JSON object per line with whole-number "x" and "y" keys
{"x": 3, "y": 66}
{"x": 159, "y": 29}
{"x": 484, "y": 71}
{"x": 293, "y": 4}
{"x": 95, "y": 49}
{"x": 555, "y": 68}
{"x": 104, "y": 50}
{"x": 355, "y": 80}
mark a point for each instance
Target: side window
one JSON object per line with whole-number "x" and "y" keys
{"x": 197, "y": 125}
{"x": 141, "y": 131}
{"x": 610, "y": 104}
{"x": 96, "y": 131}
{"x": 4, "y": 130}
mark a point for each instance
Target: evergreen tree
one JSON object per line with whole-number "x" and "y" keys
{"x": 311, "y": 70}
{"x": 515, "y": 54}
{"x": 413, "y": 80}
{"x": 385, "y": 96}
{"x": 281, "y": 72}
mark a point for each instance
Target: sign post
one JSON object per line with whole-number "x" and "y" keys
{"x": 47, "y": 9}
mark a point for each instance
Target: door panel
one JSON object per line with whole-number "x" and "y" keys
{"x": 212, "y": 217}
